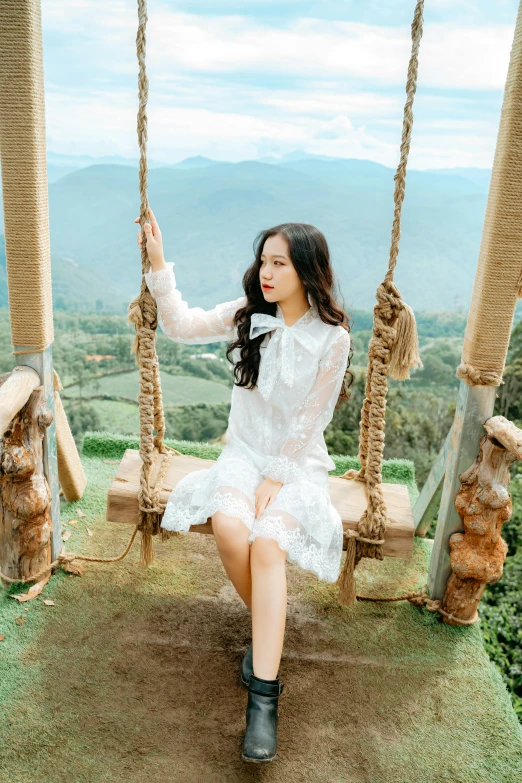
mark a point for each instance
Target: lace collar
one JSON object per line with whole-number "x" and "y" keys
{"x": 278, "y": 359}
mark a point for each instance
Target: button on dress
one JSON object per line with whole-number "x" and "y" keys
{"x": 275, "y": 430}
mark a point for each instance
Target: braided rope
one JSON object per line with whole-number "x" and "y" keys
{"x": 372, "y": 524}
{"x": 143, "y": 313}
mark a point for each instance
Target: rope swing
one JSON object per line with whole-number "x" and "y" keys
{"x": 142, "y": 312}
{"x": 393, "y": 350}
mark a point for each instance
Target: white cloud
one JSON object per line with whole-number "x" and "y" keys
{"x": 212, "y": 86}
{"x": 451, "y": 57}
{"x": 101, "y": 124}
{"x": 464, "y": 58}
{"x": 449, "y": 151}
{"x": 97, "y": 123}
{"x": 321, "y": 102}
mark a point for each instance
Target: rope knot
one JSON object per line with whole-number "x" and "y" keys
{"x": 473, "y": 377}
{"x": 389, "y": 301}
{"x": 135, "y": 312}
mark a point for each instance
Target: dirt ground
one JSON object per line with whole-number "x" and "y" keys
{"x": 133, "y": 676}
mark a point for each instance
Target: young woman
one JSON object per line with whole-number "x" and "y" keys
{"x": 267, "y": 493}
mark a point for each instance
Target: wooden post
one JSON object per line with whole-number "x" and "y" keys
{"x": 496, "y": 288}
{"x": 15, "y": 389}
{"x": 427, "y": 504}
{"x": 26, "y": 214}
{"x": 484, "y": 504}
{"x": 25, "y": 507}
{"x": 474, "y": 406}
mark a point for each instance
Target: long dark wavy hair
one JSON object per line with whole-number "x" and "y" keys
{"x": 310, "y": 256}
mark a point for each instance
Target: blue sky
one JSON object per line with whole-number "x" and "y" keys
{"x": 241, "y": 80}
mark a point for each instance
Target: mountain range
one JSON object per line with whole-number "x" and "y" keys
{"x": 210, "y": 212}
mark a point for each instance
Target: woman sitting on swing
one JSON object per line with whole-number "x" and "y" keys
{"x": 267, "y": 493}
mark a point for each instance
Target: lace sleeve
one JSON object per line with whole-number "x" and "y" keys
{"x": 314, "y": 414}
{"x": 184, "y": 324}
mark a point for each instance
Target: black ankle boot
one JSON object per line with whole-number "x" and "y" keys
{"x": 260, "y": 740}
{"x": 247, "y": 667}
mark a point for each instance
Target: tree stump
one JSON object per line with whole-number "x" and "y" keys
{"x": 483, "y": 502}
{"x": 25, "y": 495}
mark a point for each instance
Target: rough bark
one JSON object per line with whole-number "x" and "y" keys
{"x": 25, "y": 496}
{"x": 483, "y": 502}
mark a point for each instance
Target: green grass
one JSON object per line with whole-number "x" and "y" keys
{"x": 132, "y": 675}
{"x": 176, "y": 389}
{"x": 120, "y": 417}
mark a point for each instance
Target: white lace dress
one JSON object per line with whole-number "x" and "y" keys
{"x": 275, "y": 430}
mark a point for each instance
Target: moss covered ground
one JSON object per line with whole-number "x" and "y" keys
{"x": 133, "y": 674}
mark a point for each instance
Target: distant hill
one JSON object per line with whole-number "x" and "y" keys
{"x": 210, "y": 213}
{"x": 480, "y": 177}
{"x": 75, "y": 287}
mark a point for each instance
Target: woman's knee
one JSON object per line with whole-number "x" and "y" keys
{"x": 266, "y": 552}
{"x": 229, "y": 530}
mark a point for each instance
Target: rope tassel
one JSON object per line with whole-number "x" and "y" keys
{"x": 346, "y": 579}
{"x": 404, "y": 354}
{"x": 146, "y": 547}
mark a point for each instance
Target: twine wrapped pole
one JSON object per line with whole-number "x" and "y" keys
{"x": 143, "y": 314}
{"x": 24, "y": 177}
{"x": 393, "y": 350}
{"x": 27, "y": 239}
{"x": 498, "y": 278}
{"x": 496, "y": 288}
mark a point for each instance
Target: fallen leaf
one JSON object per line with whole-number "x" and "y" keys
{"x": 33, "y": 591}
{"x": 80, "y": 513}
{"x": 63, "y": 522}
{"x": 73, "y": 521}
{"x": 2, "y": 637}
{"x": 20, "y": 620}
{"x": 89, "y": 532}
{"x": 48, "y": 602}
{"x": 66, "y": 535}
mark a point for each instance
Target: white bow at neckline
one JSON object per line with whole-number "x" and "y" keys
{"x": 278, "y": 358}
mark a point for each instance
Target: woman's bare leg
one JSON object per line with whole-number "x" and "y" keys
{"x": 269, "y": 597}
{"x": 231, "y": 536}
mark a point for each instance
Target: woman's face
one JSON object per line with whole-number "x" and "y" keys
{"x": 278, "y": 271}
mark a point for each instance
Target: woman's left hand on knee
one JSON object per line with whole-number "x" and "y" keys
{"x": 265, "y": 494}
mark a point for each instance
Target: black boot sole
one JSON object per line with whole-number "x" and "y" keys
{"x": 258, "y": 761}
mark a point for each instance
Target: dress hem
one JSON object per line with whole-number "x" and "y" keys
{"x": 305, "y": 555}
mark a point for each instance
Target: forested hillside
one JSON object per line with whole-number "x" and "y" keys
{"x": 92, "y": 354}
{"x": 210, "y": 212}
{"x": 96, "y": 271}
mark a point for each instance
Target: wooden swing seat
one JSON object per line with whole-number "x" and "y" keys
{"x": 348, "y": 497}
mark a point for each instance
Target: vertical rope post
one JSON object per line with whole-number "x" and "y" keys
{"x": 498, "y": 278}
{"x": 24, "y": 176}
